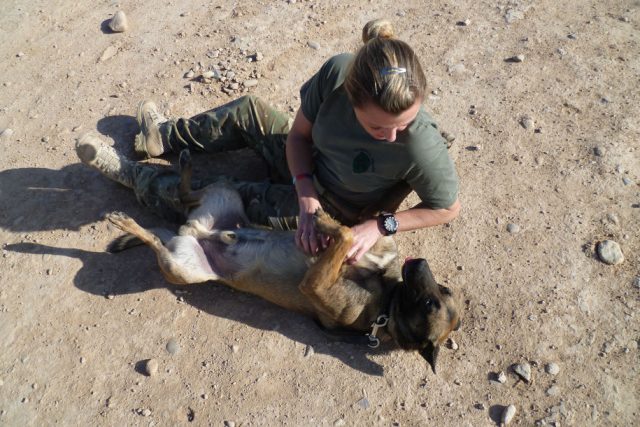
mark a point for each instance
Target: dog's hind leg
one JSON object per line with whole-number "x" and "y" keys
{"x": 182, "y": 262}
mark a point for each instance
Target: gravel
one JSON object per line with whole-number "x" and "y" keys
{"x": 609, "y": 252}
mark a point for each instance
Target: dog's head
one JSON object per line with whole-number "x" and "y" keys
{"x": 423, "y": 313}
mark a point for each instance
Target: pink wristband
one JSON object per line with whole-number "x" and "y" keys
{"x": 301, "y": 176}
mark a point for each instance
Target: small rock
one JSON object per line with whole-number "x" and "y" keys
{"x": 609, "y": 252}
{"x": 150, "y": 367}
{"x": 110, "y": 296}
{"x": 313, "y": 45}
{"x": 172, "y": 346}
{"x": 527, "y": 122}
{"x": 189, "y": 74}
{"x": 636, "y": 282}
{"x": 552, "y": 368}
{"x": 108, "y": 53}
{"x": 624, "y": 19}
{"x": 457, "y": 69}
{"x": 452, "y": 344}
{"x": 516, "y": 58}
{"x": 234, "y": 86}
{"x": 44, "y": 139}
{"x": 513, "y": 228}
{"x": 598, "y": 151}
{"x": 463, "y": 23}
{"x": 6, "y": 134}
{"x": 502, "y": 377}
{"x": 626, "y": 181}
{"x": 554, "y": 390}
{"x": 20, "y": 54}
{"x": 145, "y": 412}
{"x": 523, "y": 370}
{"x": 229, "y": 423}
{"x": 339, "y": 422}
{"x": 364, "y": 403}
{"x": 235, "y": 348}
{"x": 119, "y": 22}
{"x": 308, "y": 351}
{"x": 83, "y": 360}
{"x": 250, "y": 83}
{"x": 507, "y": 415}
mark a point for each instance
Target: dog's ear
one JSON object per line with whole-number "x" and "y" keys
{"x": 430, "y": 354}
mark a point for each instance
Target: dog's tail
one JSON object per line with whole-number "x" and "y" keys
{"x": 128, "y": 241}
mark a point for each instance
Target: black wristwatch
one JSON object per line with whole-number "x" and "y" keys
{"x": 387, "y": 223}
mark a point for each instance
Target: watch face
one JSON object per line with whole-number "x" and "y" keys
{"x": 390, "y": 224}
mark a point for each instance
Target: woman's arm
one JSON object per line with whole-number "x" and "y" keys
{"x": 367, "y": 234}
{"x": 299, "y": 159}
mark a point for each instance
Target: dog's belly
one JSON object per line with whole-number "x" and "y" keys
{"x": 263, "y": 263}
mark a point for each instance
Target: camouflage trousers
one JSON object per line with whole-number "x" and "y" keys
{"x": 247, "y": 122}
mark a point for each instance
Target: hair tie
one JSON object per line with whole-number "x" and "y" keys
{"x": 389, "y": 71}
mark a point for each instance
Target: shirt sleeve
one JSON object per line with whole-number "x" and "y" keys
{"x": 433, "y": 175}
{"x": 319, "y": 87}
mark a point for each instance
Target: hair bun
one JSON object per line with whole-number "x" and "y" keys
{"x": 378, "y": 28}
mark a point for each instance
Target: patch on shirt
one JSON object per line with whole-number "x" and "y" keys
{"x": 362, "y": 162}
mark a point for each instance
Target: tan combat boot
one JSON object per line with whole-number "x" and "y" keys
{"x": 148, "y": 142}
{"x": 93, "y": 152}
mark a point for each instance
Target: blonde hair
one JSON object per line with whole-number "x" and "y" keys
{"x": 385, "y": 71}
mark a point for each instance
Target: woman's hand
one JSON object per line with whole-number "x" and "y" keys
{"x": 365, "y": 235}
{"x": 307, "y": 238}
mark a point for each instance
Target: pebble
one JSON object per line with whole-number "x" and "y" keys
{"x": 636, "y": 282}
{"x": 189, "y": 74}
{"x": 235, "y": 348}
{"x": 172, "y": 346}
{"x": 513, "y": 228}
{"x": 339, "y": 422}
{"x": 502, "y": 377}
{"x": 108, "y": 53}
{"x": 364, "y": 403}
{"x": 527, "y": 122}
{"x": 626, "y": 181}
{"x": 308, "y": 351}
{"x": 552, "y": 368}
{"x": 7, "y": 133}
{"x": 150, "y": 367}
{"x": 507, "y": 415}
{"x": 313, "y": 45}
{"x": 598, "y": 151}
{"x": 228, "y": 423}
{"x": 234, "y": 86}
{"x": 524, "y": 371}
{"x": 463, "y": 23}
{"x": 457, "y": 68}
{"x": 145, "y": 412}
{"x": 452, "y": 344}
{"x": 609, "y": 252}
{"x": 20, "y": 54}
{"x": 554, "y": 390}
{"x": 119, "y": 22}
{"x": 250, "y": 83}
{"x": 516, "y": 58}
{"x": 83, "y": 360}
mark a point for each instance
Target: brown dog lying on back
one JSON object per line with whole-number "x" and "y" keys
{"x": 217, "y": 243}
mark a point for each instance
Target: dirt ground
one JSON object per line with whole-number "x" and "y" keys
{"x": 548, "y": 154}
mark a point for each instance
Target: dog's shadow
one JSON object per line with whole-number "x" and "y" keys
{"x": 137, "y": 271}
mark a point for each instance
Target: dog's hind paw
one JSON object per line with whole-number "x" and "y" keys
{"x": 120, "y": 220}
{"x": 185, "y": 159}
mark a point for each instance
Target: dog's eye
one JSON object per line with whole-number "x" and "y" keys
{"x": 428, "y": 302}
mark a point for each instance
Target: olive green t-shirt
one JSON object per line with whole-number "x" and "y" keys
{"x": 359, "y": 168}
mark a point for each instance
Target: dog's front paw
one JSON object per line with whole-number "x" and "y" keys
{"x": 325, "y": 224}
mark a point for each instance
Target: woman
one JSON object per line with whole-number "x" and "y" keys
{"x": 359, "y": 143}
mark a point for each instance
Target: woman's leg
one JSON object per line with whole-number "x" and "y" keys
{"x": 247, "y": 122}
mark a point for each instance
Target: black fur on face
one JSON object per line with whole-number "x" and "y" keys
{"x": 422, "y": 313}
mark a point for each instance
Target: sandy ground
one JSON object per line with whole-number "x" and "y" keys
{"x": 76, "y": 322}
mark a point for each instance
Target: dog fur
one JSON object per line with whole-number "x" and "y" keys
{"x": 217, "y": 243}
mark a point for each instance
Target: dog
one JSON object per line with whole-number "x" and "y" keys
{"x": 217, "y": 243}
